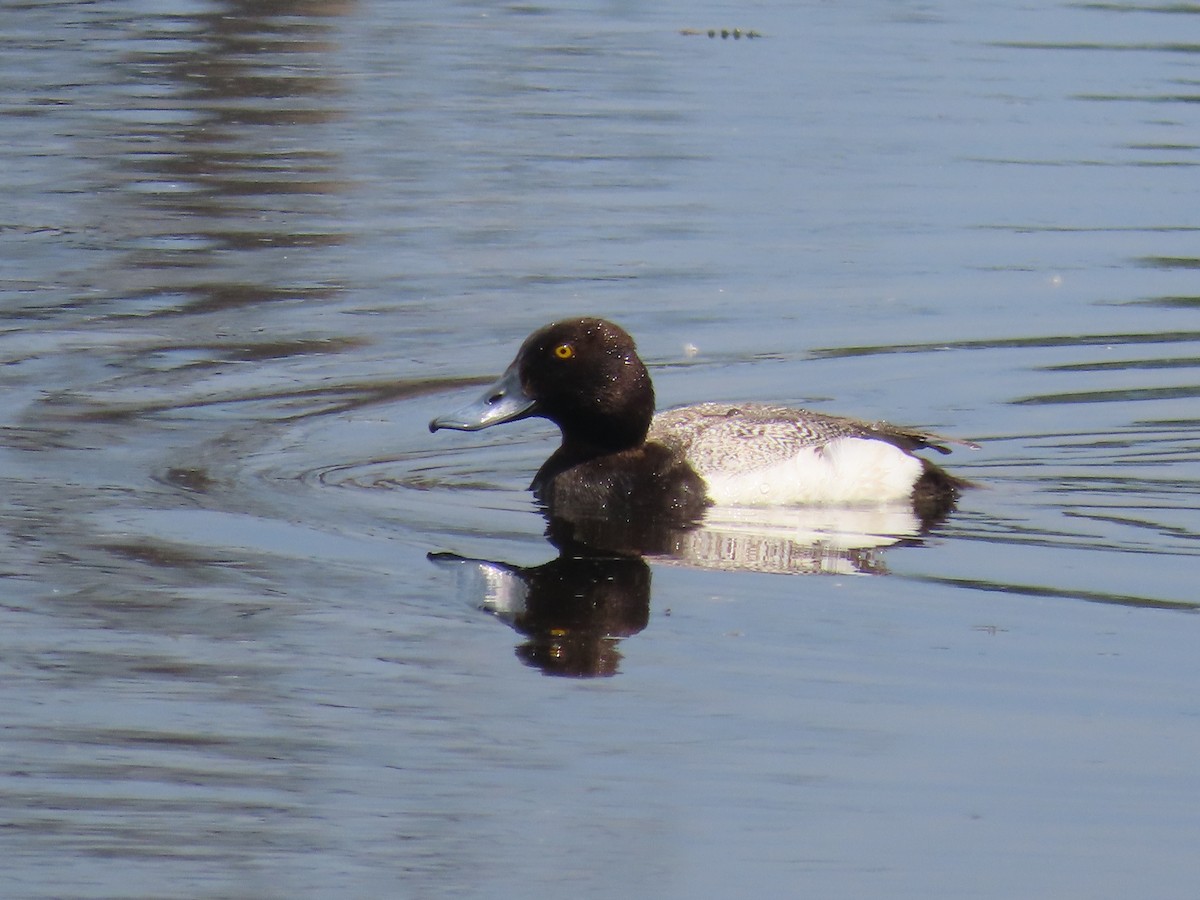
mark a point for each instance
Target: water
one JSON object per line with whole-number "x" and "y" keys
{"x": 249, "y": 250}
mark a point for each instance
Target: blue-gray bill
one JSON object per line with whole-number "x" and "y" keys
{"x": 504, "y": 401}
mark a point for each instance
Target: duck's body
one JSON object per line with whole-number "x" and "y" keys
{"x": 618, "y": 457}
{"x": 754, "y": 454}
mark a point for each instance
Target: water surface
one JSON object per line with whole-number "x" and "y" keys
{"x": 248, "y": 252}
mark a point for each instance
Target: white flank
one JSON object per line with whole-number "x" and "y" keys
{"x": 844, "y": 471}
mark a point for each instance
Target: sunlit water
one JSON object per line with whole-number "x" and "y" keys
{"x": 264, "y": 636}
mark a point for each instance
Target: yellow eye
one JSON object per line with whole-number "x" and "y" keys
{"x": 564, "y": 351}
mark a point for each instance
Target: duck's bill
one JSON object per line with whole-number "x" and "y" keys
{"x": 504, "y": 401}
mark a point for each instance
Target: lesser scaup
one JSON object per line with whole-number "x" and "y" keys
{"x": 584, "y": 375}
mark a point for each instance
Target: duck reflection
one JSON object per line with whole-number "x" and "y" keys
{"x": 574, "y": 610}
{"x": 788, "y": 541}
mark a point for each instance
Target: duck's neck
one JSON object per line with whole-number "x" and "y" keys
{"x": 617, "y": 421}
{"x": 600, "y": 435}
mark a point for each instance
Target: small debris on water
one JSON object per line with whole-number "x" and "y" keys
{"x": 725, "y": 33}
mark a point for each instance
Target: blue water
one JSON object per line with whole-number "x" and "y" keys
{"x": 248, "y": 252}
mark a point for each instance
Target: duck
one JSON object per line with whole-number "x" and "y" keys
{"x": 619, "y": 457}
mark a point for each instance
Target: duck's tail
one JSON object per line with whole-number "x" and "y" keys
{"x": 936, "y": 493}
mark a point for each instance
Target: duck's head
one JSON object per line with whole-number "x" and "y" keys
{"x": 584, "y": 375}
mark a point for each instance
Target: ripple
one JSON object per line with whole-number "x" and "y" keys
{"x": 457, "y": 469}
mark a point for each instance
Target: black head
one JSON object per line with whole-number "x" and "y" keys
{"x": 582, "y": 374}
{"x": 585, "y": 376}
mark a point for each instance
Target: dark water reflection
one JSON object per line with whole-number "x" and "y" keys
{"x": 247, "y": 250}
{"x": 571, "y": 609}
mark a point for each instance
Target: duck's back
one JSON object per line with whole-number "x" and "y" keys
{"x": 765, "y": 454}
